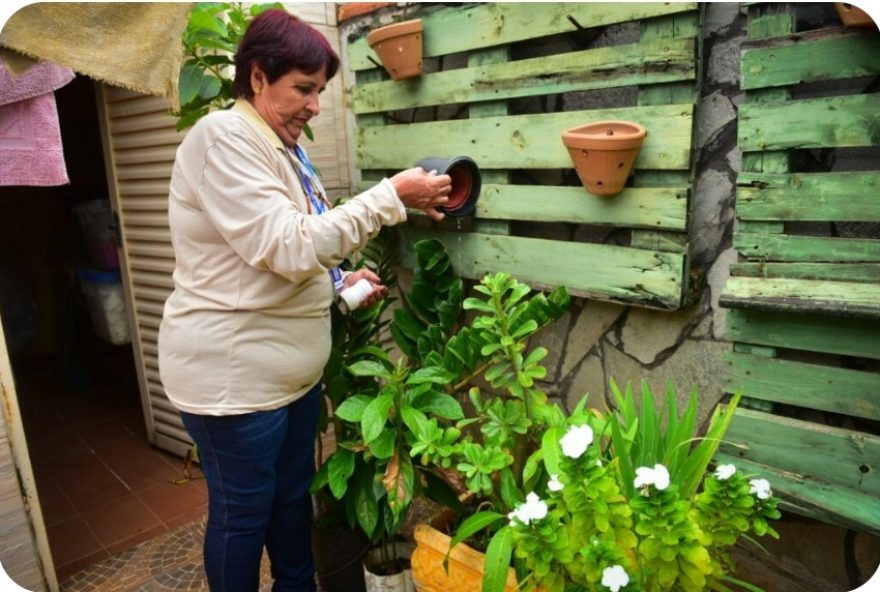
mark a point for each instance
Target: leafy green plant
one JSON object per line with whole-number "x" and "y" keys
{"x": 393, "y": 410}
{"x": 624, "y": 502}
{"x": 575, "y": 501}
{"x": 210, "y": 40}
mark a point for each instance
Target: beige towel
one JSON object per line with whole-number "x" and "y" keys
{"x": 135, "y": 45}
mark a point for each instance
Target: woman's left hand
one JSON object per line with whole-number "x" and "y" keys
{"x": 379, "y": 290}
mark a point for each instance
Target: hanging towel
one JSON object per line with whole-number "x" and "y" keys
{"x": 135, "y": 45}
{"x": 30, "y": 135}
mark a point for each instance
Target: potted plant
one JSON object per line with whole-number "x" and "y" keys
{"x": 399, "y": 47}
{"x": 620, "y": 502}
{"x": 552, "y": 500}
{"x": 371, "y": 476}
{"x": 603, "y": 153}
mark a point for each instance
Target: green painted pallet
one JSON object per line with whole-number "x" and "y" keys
{"x": 466, "y": 111}
{"x": 805, "y": 307}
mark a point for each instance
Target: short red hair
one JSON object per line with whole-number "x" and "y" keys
{"x": 279, "y": 42}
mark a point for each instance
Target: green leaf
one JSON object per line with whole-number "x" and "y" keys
{"x": 551, "y": 450}
{"x": 201, "y": 22}
{"x": 366, "y": 503}
{"x": 340, "y": 468}
{"x": 432, "y": 374}
{"x": 441, "y": 404}
{"x": 510, "y": 495}
{"x": 414, "y": 419}
{"x": 408, "y": 324}
{"x": 477, "y": 304}
{"x": 368, "y": 368}
{"x": 210, "y": 87}
{"x": 497, "y": 562}
{"x": 376, "y": 416}
{"x": 698, "y": 462}
{"x": 352, "y": 409}
{"x": 189, "y": 83}
{"x": 382, "y": 446}
{"x": 474, "y": 524}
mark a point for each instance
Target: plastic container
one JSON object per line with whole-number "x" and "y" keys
{"x": 98, "y": 226}
{"x": 106, "y": 301}
{"x": 351, "y": 298}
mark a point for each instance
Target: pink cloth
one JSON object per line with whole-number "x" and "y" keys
{"x": 30, "y": 134}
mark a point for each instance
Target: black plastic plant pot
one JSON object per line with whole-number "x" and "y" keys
{"x": 466, "y": 183}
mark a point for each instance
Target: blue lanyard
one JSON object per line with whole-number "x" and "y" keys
{"x": 316, "y": 197}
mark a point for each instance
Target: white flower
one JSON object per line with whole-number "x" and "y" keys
{"x": 555, "y": 484}
{"x": 575, "y": 441}
{"x": 761, "y": 488}
{"x": 658, "y": 477}
{"x": 532, "y": 509}
{"x": 614, "y": 578}
{"x": 724, "y": 472}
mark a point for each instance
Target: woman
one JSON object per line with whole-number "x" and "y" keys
{"x": 246, "y": 332}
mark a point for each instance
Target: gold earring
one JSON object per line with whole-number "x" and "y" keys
{"x": 257, "y": 89}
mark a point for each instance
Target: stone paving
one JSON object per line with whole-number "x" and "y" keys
{"x": 169, "y": 563}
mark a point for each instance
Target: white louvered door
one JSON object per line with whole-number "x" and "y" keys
{"x": 140, "y": 142}
{"x": 139, "y": 146}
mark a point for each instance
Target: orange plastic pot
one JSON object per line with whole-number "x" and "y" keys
{"x": 465, "y": 564}
{"x": 399, "y": 46}
{"x": 603, "y": 153}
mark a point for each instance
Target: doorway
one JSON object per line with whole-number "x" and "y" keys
{"x": 103, "y": 488}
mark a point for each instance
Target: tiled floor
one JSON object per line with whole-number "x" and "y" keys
{"x": 102, "y": 488}
{"x": 171, "y": 562}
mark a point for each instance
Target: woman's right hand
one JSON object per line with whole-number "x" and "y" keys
{"x": 423, "y": 190}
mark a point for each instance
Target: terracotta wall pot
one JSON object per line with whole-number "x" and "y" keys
{"x": 853, "y": 16}
{"x": 465, "y": 565}
{"x": 603, "y": 153}
{"x": 399, "y": 46}
{"x": 466, "y": 183}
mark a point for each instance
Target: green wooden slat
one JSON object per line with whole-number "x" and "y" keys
{"x": 661, "y": 60}
{"x": 496, "y": 55}
{"x": 835, "y": 455}
{"x": 849, "y": 337}
{"x": 638, "y": 208}
{"x": 807, "y": 248}
{"x": 484, "y": 25}
{"x": 666, "y": 27}
{"x": 375, "y": 119}
{"x": 834, "y": 298}
{"x": 828, "y": 122}
{"x": 633, "y": 208}
{"x": 802, "y": 59}
{"x": 630, "y": 275}
{"x": 851, "y": 272}
{"x": 763, "y": 27}
{"x": 825, "y": 388}
{"x": 815, "y": 498}
{"x": 767, "y": 26}
{"x": 524, "y": 141}
{"x": 652, "y": 240}
{"x": 851, "y": 196}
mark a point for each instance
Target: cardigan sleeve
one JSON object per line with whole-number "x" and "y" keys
{"x": 253, "y": 209}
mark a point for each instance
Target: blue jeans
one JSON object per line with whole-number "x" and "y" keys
{"x": 258, "y": 467}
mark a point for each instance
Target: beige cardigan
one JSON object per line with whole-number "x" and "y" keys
{"x": 247, "y": 327}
